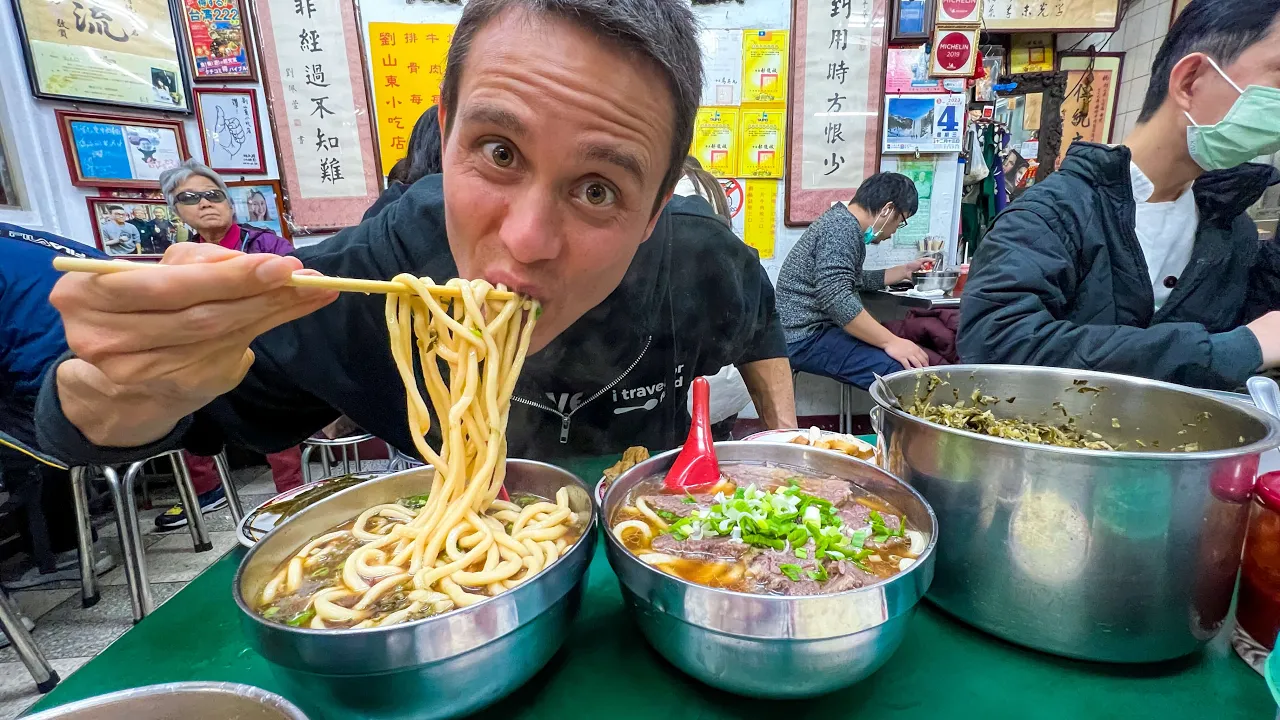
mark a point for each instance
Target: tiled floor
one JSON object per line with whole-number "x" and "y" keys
{"x": 70, "y": 635}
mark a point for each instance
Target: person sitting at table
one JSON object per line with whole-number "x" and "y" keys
{"x": 1140, "y": 258}
{"x": 422, "y": 159}
{"x": 565, "y": 128}
{"x": 828, "y": 331}
{"x": 199, "y": 197}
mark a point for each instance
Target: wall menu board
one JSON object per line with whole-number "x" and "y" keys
{"x": 833, "y": 118}
{"x": 1050, "y": 15}
{"x": 218, "y": 40}
{"x": 320, "y": 111}
{"x": 406, "y": 72}
{"x": 115, "y": 53}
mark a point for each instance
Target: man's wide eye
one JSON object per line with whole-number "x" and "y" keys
{"x": 597, "y": 193}
{"x": 501, "y": 154}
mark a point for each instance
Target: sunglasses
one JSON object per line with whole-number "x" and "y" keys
{"x": 194, "y": 198}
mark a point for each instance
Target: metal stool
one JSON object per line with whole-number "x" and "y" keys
{"x": 126, "y": 510}
{"x": 350, "y": 443}
{"x": 11, "y": 623}
{"x": 846, "y": 399}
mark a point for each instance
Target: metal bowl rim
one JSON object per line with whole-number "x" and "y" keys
{"x": 242, "y": 690}
{"x": 1269, "y": 442}
{"x": 356, "y": 632}
{"x": 780, "y": 599}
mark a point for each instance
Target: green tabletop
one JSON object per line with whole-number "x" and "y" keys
{"x": 944, "y": 669}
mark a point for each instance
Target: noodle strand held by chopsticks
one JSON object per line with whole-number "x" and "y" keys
{"x": 462, "y": 543}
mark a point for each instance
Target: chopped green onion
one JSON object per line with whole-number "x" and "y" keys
{"x": 477, "y": 332}
{"x": 302, "y": 618}
{"x": 690, "y": 500}
{"x": 791, "y": 571}
{"x": 802, "y": 553}
{"x": 271, "y": 612}
{"x": 667, "y": 515}
{"x": 819, "y": 574}
{"x": 320, "y": 572}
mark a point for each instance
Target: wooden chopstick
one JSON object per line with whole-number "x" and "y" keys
{"x": 368, "y": 287}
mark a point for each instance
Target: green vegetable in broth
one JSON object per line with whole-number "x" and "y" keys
{"x": 302, "y": 618}
{"x": 793, "y": 572}
{"x": 415, "y": 502}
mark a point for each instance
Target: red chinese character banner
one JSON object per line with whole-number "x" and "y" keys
{"x": 407, "y": 67}
{"x": 314, "y": 81}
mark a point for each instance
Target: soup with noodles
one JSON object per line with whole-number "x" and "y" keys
{"x": 768, "y": 530}
{"x": 457, "y": 543}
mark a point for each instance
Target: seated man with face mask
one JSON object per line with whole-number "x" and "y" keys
{"x": 828, "y": 331}
{"x": 1140, "y": 258}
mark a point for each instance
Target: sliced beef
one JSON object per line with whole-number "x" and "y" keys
{"x": 676, "y": 505}
{"x": 856, "y": 515}
{"x": 718, "y": 548}
{"x": 765, "y": 568}
{"x": 833, "y": 490}
{"x": 843, "y": 575}
{"x": 762, "y": 476}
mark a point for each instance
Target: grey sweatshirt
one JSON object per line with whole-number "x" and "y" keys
{"x": 822, "y": 276}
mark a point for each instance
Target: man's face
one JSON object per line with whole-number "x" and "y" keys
{"x": 887, "y": 223}
{"x": 558, "y": 148}
{"x": 1212, "y": 96}
{"x": 119, "y": 217}
{"x": 140, "y": 213}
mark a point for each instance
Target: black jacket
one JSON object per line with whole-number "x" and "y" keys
{"x": 694, "y": 299}
{"x": 1060, "y": 279}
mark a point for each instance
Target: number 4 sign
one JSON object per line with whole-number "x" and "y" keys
{"x": 924, "y": 123}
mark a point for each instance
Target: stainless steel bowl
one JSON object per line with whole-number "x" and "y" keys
{"x": 187, "y": 700}
{"x": 443, "y": 666}
{"x": 1112, "y": 556}
{"x": 764, "y": 645}
{"x": 944, "y": 280}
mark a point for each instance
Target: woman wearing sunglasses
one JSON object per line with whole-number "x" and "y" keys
{"x": 199, "y": 198}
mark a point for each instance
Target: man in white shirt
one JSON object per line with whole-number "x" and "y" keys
{"x": 1140, "y": 258}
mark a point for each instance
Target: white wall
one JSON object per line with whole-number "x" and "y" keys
{"x": 56, "y": 205}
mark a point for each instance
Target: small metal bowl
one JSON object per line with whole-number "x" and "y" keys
{"x": 772, "y": 646}
{"x": 944, "y": 280}
{"x": 448, "y": 665}
{"x": 187, "y": 700}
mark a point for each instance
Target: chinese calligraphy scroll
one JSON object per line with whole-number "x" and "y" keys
{"x": 315, "y": 85}
{"x": 406, "y": 68}
{"x": 1050, "y": 15}
{"x": 833, "y": 123}
{"x": 116, "y": 53}
{"x": 218, "y": 40}
{"x": 1093, "y": 84}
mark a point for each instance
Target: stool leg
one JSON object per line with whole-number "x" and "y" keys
{"x": 346, "y": 461}
{"x": 190, "y": 503}
{"x": 355, "y": 451}
{"x": 84, "y": 537}
{"x": 840, "y": 421}
{"x": 229, "y": 487}
{"x": 135, "y": 566}
{"x": 306, "y": 463}
{"x": 26, "y": 647}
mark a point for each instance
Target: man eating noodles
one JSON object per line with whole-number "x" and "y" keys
{"x": 565, "y": 125}
{"x": 1140, "y": 258}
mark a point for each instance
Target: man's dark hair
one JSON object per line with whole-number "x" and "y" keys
{"x": 1221, "y": 29}
{"x": 662, "y": 31}
{"x": 424, "y": 148}
{"x": 113, "y": 208}
{"x": 888, "y": 187}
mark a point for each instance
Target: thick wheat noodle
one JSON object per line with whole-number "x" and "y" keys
{"x": 463, "y": 540}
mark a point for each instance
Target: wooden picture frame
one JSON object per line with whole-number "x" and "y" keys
{"x": 129, "y": 59}
{"x": 828, "y": 156}
{"x": 944, "y": 37}
{"x": 1083, "y": 16}
{"x": 232, "y": 138}
{"x": 272, "y": 204}
{"x": 899, "y": 35}
{"x": 139, "y": 237}
{"x": 205, "y": 30}
{"x": 1074, "y": 63}
{"x": 119, "y": 150}
{"x": 1052, "y": 87}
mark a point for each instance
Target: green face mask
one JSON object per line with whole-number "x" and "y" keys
{"x": 869, "y": 236}
{"x": 1250, "y": 128}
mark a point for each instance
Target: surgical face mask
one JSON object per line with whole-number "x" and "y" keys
{"x": 1250, "y": 128}
{"x": 869, "y": 236}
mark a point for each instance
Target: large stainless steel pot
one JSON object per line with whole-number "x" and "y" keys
{"x": 186, "y": 700}
{"x": 764, "y": 645}
{"x": 444, "y": 666}
{"x": 1114, "y": 556}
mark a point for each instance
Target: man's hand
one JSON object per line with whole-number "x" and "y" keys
{"x": 902, "y": 272}
{"x": 153, "y": 346}
{"x": 1267, "y": 330}
{"x": 907, "y": 353}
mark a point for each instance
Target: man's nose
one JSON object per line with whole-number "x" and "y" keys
{"x": 531, "y": 229}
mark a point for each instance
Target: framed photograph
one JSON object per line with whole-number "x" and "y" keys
{"x": 219, "y": 43}
{"x": 135, "y": 227}
{"x": 104, "y": 52}
{"x": 955, "y": 52}
{"x": 260, "y": 203}
{"x": 910, "y": 21}
{"x": 1093, "y": 88}
{"x": 118, "y": 150}
{"x": 229, "y": 130}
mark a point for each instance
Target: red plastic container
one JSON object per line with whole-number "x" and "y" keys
{"x": 1258, "y": 605}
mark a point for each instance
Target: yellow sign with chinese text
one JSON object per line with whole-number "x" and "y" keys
{"x": 760, "y": 224}
{"x": 764, "y": 66}
{"x": 761, "y": 138}
{"x": 715, "y": 140}
{"x": 407, "y": 68}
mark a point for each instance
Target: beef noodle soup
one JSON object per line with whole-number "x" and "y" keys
{"x": 768, "y": 530}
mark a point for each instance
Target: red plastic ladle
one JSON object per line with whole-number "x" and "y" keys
{"x": 696, "y": 465}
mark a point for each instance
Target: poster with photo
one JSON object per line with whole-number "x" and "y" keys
{"x": 119, "y": 151}
{"x": 260, "y": 204}
{"x": 927, "y": 124}
{"x": 135, "y": 227}
{"x": 229, "y": 130}
{"x": 218, "y": 40}
{"x": 907, "y": 72}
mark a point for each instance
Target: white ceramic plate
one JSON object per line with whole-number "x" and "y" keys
{"x": 786, "y": 436}
{"x": 261, "y": 520}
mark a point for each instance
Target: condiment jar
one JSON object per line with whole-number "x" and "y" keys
{"x": 1258, "y": 604}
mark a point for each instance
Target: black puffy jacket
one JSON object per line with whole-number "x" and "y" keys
{"x": 1060, "y": 279}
